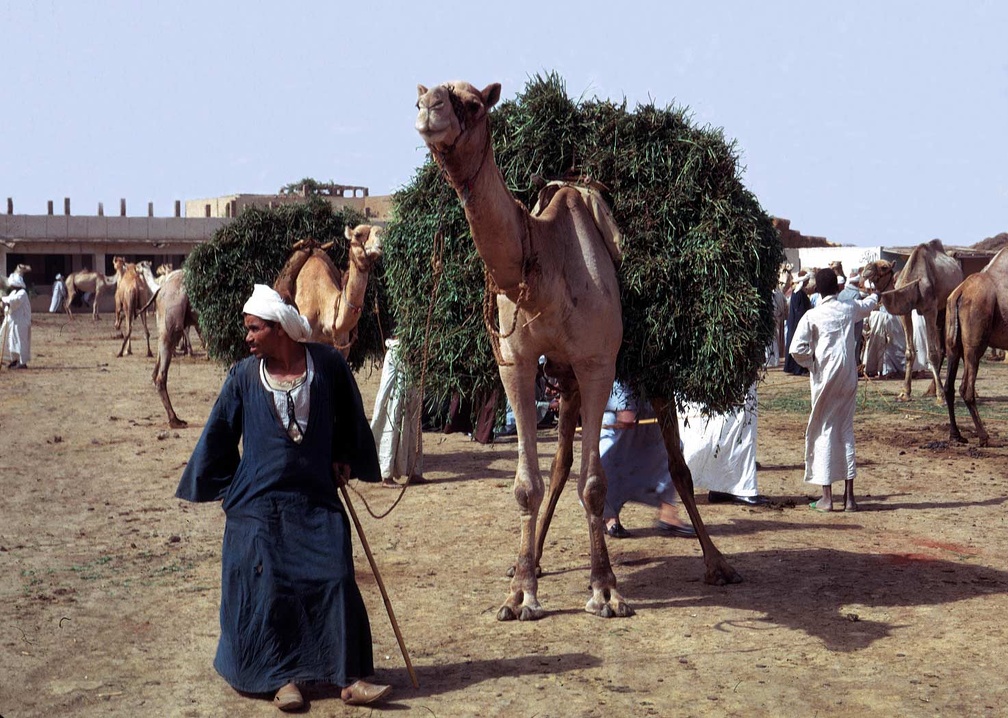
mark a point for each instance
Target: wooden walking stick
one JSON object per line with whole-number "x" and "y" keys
{"x": 381, "y": 584}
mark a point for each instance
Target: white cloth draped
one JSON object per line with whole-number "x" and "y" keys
{"x": 395, "y": 421}
{"x": 59, "y": 295}
{"x": 824, "y": 344}
{"x": 721, "y": 450}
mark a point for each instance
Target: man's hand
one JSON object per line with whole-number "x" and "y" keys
{"x": 341, "y": 474}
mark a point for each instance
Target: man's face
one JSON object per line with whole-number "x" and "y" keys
{"x": 262, "y": 337}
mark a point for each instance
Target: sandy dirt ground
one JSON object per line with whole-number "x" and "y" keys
{"x": 109, "y": 586}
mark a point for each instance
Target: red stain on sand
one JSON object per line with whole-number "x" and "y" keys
{"x": 952, "y": 547}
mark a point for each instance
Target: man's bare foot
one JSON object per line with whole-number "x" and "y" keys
{"x": 389, "y": 484}
{"x": 850, "y": 505}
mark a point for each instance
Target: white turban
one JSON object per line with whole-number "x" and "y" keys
{"x": 265, "y": 303}
{"x": 15, "y": 281}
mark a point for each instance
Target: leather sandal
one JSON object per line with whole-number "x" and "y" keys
{"x": 361, "y": 693}
{"x": 289, "y": 698}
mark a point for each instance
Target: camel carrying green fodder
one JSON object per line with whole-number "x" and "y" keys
{"x": 253, "y": 249}
{"x": 691, "y": 297}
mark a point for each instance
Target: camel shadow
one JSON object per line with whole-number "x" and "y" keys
{"x": 837, "y": 579}
{"x": 444, "y": 678}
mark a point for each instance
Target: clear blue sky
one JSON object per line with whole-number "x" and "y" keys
{"x": 865, "y": 122}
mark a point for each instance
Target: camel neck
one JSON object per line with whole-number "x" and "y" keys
{"x": 498, "y": 224}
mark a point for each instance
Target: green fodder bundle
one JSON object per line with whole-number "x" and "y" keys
{"x": 701, "y": 256}
{"x": 252, "y": 250}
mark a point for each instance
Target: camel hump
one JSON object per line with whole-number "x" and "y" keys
{"x": 936, "y": 245}
{"x": 301, "y": 252}
{"x": 597, "y": 206}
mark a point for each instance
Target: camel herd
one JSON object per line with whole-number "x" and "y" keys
{"x": 963, "y": 318}
{"x": 331, "y": 299}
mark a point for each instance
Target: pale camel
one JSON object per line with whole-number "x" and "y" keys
{"x": 155, "y": 280}
{"x": 174, "y": 316}
{"x": 131, "y": 297}
{"x": 331, "y": 302}
{"x": 557, "y": 294}
{"x": 21, "y": 270}
{"x": 976, "y": 317}
{"x": 85, "y": 281}
{"x": 925, "y": 283}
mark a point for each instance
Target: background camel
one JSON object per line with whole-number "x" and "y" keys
{"x": 925, "y": 283}
{"x": 331, "y": 302}
{"x": 976, "y": 318}
{"x": 557, "y": 295}
{"x": 132, "y": 297}
{"x": 85, "y": 281}
{"x": 174, "y": 316}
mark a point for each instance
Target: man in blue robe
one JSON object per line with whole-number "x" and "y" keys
{"x": 291, "y": 612}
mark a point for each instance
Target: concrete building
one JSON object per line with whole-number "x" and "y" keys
{"x": 61, "y": 243}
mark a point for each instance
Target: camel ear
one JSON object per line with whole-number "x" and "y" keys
{"x": 490, "y": 95}
{"x": 420, "y": 91}
{"x": 348, "y": 232}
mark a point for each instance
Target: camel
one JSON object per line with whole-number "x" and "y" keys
{"x": 132, "y": 293}
{"x": 925, "y": 283}
{"x": 21, "y": 270}
{"x": 85, "y": 281}
{"x": 332, "y": 303}
{"x": 557, "y": 294}
{"x": 976, "y": 317}
{"x": 174, "y": 317}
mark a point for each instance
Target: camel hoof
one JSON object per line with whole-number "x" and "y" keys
{"x": 722, "y": 576}
{"x": 903, "y": 397}
{"x": 506, "y": 614}
{"x": 528, "y": 613}
{"x": 958, "y": 438}
{"x": 178, "y": 424}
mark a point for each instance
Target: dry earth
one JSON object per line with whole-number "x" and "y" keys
{"x": 109, "y": 586}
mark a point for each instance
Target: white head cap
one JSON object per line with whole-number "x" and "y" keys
{"x": 265, "y": 303}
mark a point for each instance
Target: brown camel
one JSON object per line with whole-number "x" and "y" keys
{"x": 174, "y": 316}
{"x": 925, "y": 283}
{"x": 976, "y": 317}
{"x": 331, "y": 302}
{"x": 557, "y": 295}
{"x": 131, "y": 297}
{"x": 85, "y": 281}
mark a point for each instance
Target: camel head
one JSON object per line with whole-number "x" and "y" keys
{"x": 22, "y": 269}
{"x": 365, "y": 245}
{"x": 452, "y": 115}
{"x": 785, "y": 278}
{"x": 118, "y": 263}
{"x": 837, "y": 268}
{"x": 880, "y": 273}
{"x": 163, "y": 270}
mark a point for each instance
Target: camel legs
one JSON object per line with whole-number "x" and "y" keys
{"x": 522, "y": 602}
{"x": 910, "y": 354}
{"x": 719, "y": 571}
{"x": 954, "y": 354}
{"x": 596, "y": 386}
{"x": 166, "y": 345}
{"x": 570, "y": 409}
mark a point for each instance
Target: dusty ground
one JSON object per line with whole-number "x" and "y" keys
{"x": 109, "y": 586}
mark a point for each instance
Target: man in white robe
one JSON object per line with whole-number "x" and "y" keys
{"x": 17, "y": 324}
{"x": 59, "y": 295}
{"x": 824, "y": 344}
{"x": 885, "y": 347}
{"x": 395, "y": 424}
